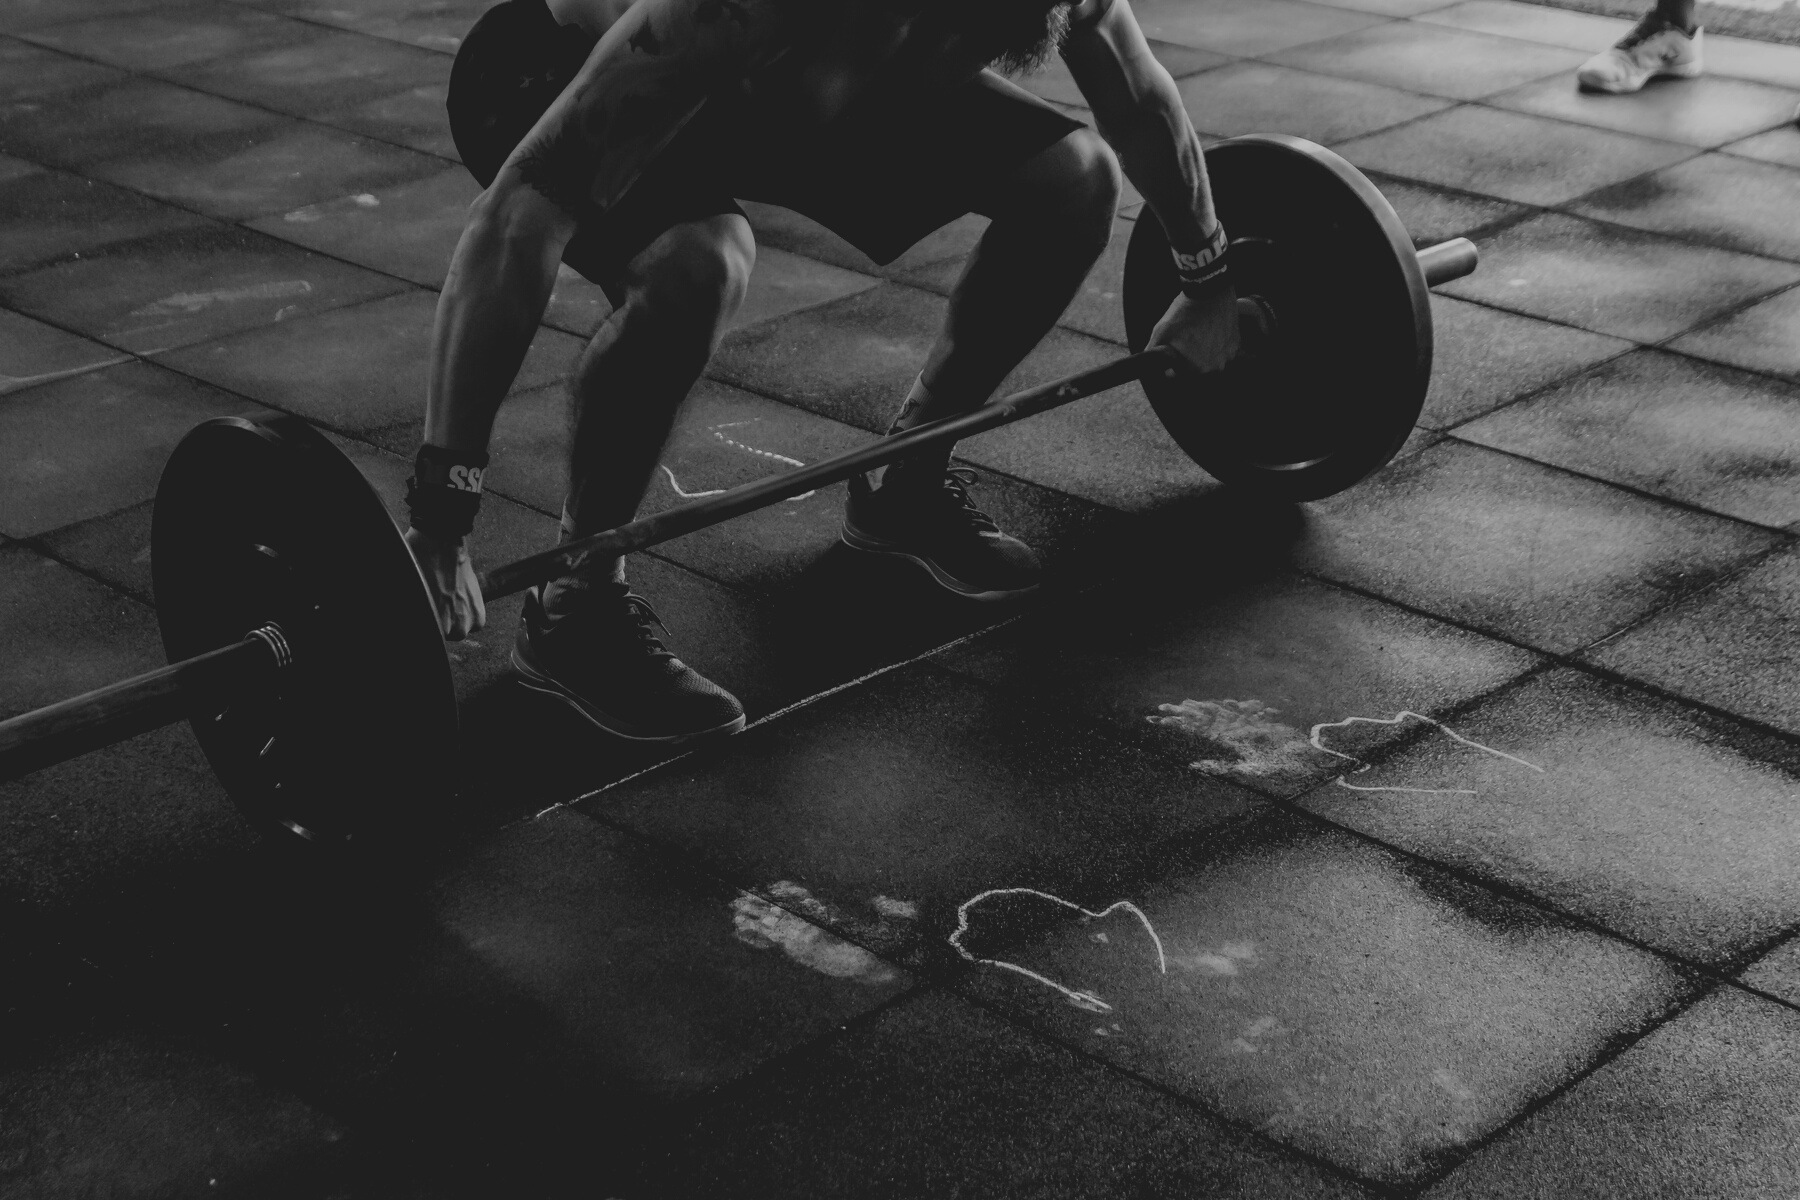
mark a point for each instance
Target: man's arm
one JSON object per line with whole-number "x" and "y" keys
{"x": 1139, "y": 112}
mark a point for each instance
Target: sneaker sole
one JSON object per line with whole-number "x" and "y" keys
{"x": 1626, "y": 87}
{"x": 537, "y": 681}
{"x": 872, "y": 545}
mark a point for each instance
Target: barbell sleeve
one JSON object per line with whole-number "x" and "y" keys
{"x": 1448, "y": 260}
{"x": 149, "y": 701}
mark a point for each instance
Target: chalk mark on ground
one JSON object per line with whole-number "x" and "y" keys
{"x": 1080, "y": 999}
{"x": 1396, "y": 719}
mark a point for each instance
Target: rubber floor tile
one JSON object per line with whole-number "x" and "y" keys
{"x": 1703, "y": 1108}
{"x": 1724, "y": 441}
{"x": 1345, "y": 1001}
{"x": 1261, "y": 98}
{"x": 299, "y": 166}
{"x": 32, "y": 353}
{"x": 1669, "y": 827}
{"x": 331, "y": 69}
{"x": 187, "y": 286}
{"x": 413, "y": 117}
{"x": 438, "y": 26}
{"x": 1516, "y": 548}
{"x": 1388, "y": 8}
{"x": 1431, "y": 60}
{"x": 1763, "y": 337}
{"x": 139, "y": 120}
{"x": 1778, "y": 973}
{"x": 152, "y": 1114}
{"x": 95, "y": 442}
{"x": 169, "y": 39}
{"x": 937, "y": 1098}
{"x": 407, "y": 229}
{"x": 114, "y": 548}
{"x": 65, "y": 633}
{"x": 1246, "y": 27}
{"x": 1695, "y": 112}
{"x": 1617, "y": 281}
{"x": 359, "y": 368}
{"x": 1732, "y": 647}
{"x": 32, "y": 78}
{"x": 877, "y": 811}
{"x": 1483, "y": 357}
{"x": 1232, "y": 679}
{"x": 1510, "y": 155}
{"x": 641, "y": 974}
{"x": 47, "y": 215}
{"x": 36, "y": 14}
{"x": 1432, "y": 214}
{"x": 1778, "y": 146}
{"x": 1744, "y": 58}
{"x": 1717, "y": 198}
{"x": 1531, "y": 23}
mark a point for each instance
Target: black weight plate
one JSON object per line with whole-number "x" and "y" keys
{"x": 1330, "y": 395}
{"x": 262, "y": 520}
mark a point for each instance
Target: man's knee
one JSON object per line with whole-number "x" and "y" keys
{"x": 513, "y": 212}
{"x": 695, "y": 275}
{"x": 1076, "y": 181}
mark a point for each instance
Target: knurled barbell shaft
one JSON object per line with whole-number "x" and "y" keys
{"x": 111, "y": 714}
{"x": 125, "y": 709}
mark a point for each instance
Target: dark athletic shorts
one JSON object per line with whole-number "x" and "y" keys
{"x": 881, "y": 176}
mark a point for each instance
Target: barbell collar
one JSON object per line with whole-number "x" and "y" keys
{"x": 125, "y": 709}
{"x": 1448, "y": 260}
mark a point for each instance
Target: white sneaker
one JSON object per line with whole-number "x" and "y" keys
{"x": 1654, "y": 50}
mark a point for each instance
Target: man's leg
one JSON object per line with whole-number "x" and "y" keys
{"x": 586, "y": 639}
{"x": 679, "y": 294}
{"x": 1052, "y": 219}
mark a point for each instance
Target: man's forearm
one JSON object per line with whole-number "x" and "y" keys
{"x": 1160, "y": 153}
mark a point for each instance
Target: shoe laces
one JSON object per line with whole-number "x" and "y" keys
{"x": 1652, "y": 24}
{"x": 957, "y": 481}
{"x": 640, "y": 624}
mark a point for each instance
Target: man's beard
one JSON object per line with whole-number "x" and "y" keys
{"x": 1026, "y": 32}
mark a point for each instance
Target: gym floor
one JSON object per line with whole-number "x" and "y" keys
{"x": 1553, "y": 954}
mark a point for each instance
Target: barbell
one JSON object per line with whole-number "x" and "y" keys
{"x": 306, "y": 653}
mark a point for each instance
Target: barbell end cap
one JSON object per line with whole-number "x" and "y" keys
{"x": 1448, "y": 260}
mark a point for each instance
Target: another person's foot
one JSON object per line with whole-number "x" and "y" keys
{"x": 605, "y": 661}
{"x": 934, "y": 523}
{"x": 1655, "y": 49}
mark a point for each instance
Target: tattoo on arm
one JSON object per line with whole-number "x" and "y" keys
{"x": 560, "y": 168}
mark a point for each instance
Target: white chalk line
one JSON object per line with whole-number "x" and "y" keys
{"x": 1396, "y": 719}
{"x": 689, "y": 495}
{"x": 1080, "y": 999}
{"x": 736, "y": 445}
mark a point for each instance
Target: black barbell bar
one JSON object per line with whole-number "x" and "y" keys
{"x": 199, "y": 685}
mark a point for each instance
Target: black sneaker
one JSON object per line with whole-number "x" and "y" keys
{"x": 941, "y": 529}
{"x": 605, "y": 662}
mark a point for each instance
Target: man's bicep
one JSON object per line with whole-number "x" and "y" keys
{"x": 1111, "y": 62}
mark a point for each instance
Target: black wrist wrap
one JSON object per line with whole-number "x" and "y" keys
{"x": 1197, "y": 268}
{"x": 444, "y": 493}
